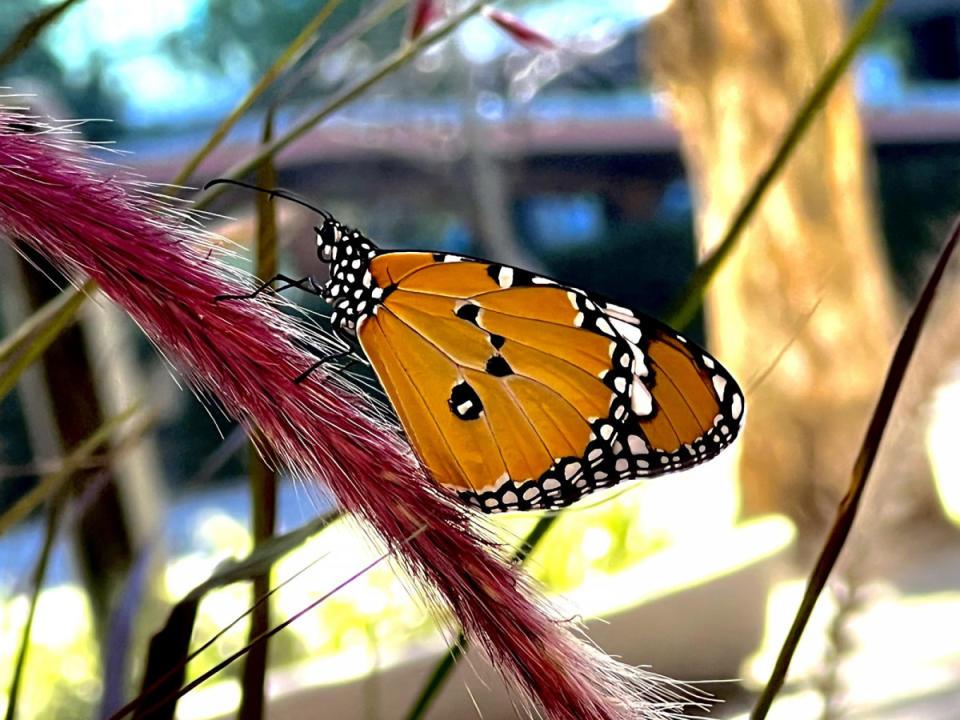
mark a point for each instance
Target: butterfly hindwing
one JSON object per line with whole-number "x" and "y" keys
{"x": 686, "y": 407}
{"x": 522, "y": 393}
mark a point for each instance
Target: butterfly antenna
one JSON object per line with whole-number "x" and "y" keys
{"x": 274, "y": 192}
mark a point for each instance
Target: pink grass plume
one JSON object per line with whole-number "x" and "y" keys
{"x": 518, "y": 29}
{"x": 423, "y": 13}
{"x": 94, "y": 220}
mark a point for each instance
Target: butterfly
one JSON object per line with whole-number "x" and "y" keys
{"x": 515, "y": 390}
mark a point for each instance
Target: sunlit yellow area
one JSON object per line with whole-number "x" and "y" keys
{"x": 897, "y": 648}
{"x": 944, "y": 449}
{"x": 62, "y": 674}
{"x": 369, "y": 622}
{"x": 619, "y": 527}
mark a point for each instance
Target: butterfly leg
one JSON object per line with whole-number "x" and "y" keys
{"x": 323, "y": 359}
{"x": 307, "y": 284}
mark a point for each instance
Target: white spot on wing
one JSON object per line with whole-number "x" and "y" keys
{"x": 641, "y": 401}
{"x": 618, "y": 311}
{"x": 720, "y": 385}
{"x": 736, "y": 406}
{"x": 505, "y": 277}
{"x": 604, "y": 327}
{"x": 639, "y": 367}
{"x": 629, "y": 331}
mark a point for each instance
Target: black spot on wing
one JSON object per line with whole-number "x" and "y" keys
{"x": 497, "y": 340}
{"x": 506, "y": 276}
{"x": 469, "y": 313}
{"x": 498, "y": 367}
{"x": 464, "y": 402}
{"x": 522, "y": 278}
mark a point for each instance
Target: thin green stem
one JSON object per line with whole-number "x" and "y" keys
{"x": 293, "y": 52}
{"x": 359, "y": 26}
{"x": 690, "y": 299}
{"x": 39, "y": 571}
{"x": 263, "y": 479}
{"x": 438, "y": 677}
{"x": 349, "y": 94}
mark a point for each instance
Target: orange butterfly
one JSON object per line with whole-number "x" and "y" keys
{"x": 517, "y": 391}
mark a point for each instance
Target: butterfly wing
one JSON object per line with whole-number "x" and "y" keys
{"x": 521, "y": 393}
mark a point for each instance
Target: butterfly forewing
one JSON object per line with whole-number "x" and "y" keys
{"x": 522, "y": 393}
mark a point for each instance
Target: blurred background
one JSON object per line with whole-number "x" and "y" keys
{"x": 611, "y": 157}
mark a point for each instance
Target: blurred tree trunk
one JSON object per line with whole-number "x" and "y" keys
{"x": 736, "y": 71}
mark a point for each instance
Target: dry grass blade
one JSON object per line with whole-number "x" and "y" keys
{"x": 77, "y": 458}
{"x": 29, "y": 32}
{"x": 169, "y": 648}
{"x": 160, "y": 708}
{"x": 858, "y": 480}
{"x": 32, "y": 337}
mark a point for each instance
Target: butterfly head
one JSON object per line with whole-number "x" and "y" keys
{"x": 329, "y": 235}
{"x": 336, "y": 242}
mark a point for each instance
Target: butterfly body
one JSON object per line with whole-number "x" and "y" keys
{"x": 519, "y": 392}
